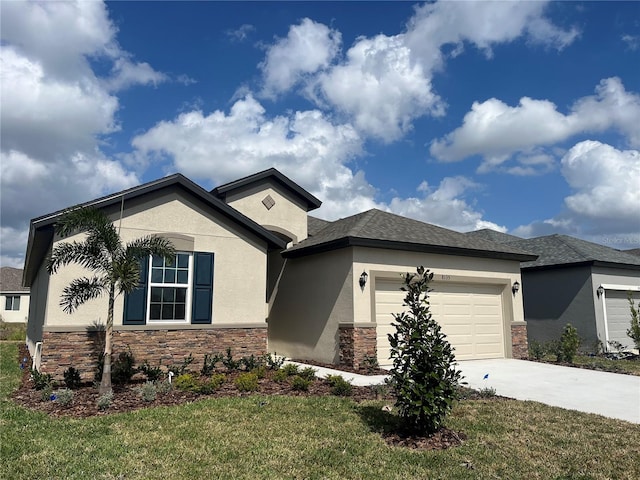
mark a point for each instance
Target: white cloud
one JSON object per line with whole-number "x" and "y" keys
{"x": 241, "y": 33}
{"x": 632, "y": 42}
{"x": 125, "y": 74}
{"x": 308, "y": 47}
{"x": 497, "y": 131}
{"x": 603, "y": 205}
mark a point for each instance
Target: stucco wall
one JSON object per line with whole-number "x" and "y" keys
{"x": 37, "y": 309}
{"x": 15, "y": 316}
{"x": 239, "y": 264}
{"x": 287, "y": 216}
{"x": 555, "y": 297}
{"x": 314, "y": 297}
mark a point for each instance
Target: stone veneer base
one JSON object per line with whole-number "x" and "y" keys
{"x": 356, "y": 344}
{"x": 519, "y": 343}
{"x": 80, "y": 349}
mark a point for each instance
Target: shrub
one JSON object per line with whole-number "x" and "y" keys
{"x": 370, "y": 363}
{"x": 536, "y": 350}
{"x": 634, "y": 331}
{"x": 487, "y": 392}
{"x": 300, "y": 383}
{"x": 72, "y": 378}
{"x": 249, "y": 363}
{"x": 123, "y": 368}
{"x": 569, "y": 343}
{"x": 339, "y": 386}
{"x": 105, "y": 401}
{"x": 209, "y": 364}
{"x": 228, "y": 361}
{"x": 186, "y": 382}
{"x": 212, "y": 384}
{"x": 41, "y": 380}
{"x": 148, "y": 391}
{"x": 163, "y": 387}
{"x": 423, "y": 375}
{"x": 247, "y": 382}
{"x": 153, "y": 374}
{"x": 291, "y": 369}
{"x": 273, "y": 362}
{"x": 64, "y": 396}
{"x": 46, "y": 394}
{"x": 181, "y": 368}
{"x": 280, "y": 376}
{"x": 260, "y": 371}
{"x": 308, "y": 373}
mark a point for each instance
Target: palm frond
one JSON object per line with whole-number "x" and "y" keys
{"x": 80, "y": 291}
{"x": 80, "y": 253}
{"x": 125, "y": 273}
{"x": 150, "y": 245}
{"x": 100, "y": 229}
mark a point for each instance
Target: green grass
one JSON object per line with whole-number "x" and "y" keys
{"x": 315, "y": 438}
{"x": 13, "y": 331}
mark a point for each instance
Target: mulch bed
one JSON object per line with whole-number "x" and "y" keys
{"x": 127, "y": 398}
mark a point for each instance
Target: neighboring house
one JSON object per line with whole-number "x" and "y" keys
{"x": 14, "y": 298}
{"x": 256, "y": 273}
{"x": 578, "y": 282}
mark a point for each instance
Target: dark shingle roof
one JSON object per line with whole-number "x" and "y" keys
{"x": 378, "y": 229}
{"x": 633, "y": 251}
{"x": 314, "y": 225}
{"x": 11, "y": 280}
{"x": 493, "y": 236}
{"x": 305, "y": 197}
{"x": 555, "y": 250}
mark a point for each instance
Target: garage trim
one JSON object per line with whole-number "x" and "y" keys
{"x": 608, "y": 286}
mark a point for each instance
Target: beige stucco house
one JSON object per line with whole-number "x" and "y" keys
{"x": 256, "y": 273}
{"x": 14, "y": 298}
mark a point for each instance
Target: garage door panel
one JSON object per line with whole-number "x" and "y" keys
{"x": 470, "y": 317}
{"x": 619, "y": 315}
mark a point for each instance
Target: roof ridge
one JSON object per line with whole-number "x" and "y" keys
{"x": 365, "y": 218}
{"x": 569, "y": 242}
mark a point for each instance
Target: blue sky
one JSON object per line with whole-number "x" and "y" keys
{"x": 522, "y": 117}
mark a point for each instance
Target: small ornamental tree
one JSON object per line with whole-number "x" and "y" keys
{"x": 423, "y": 377}
{"x": 634, "y": 331}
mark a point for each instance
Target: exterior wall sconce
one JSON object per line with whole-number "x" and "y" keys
{"x": 515, "y": 288}
{"x": 363, "y": 279}
{"x": 600, "y": 291}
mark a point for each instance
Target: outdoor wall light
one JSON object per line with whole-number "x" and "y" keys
{"x": 600, "y": 291}
{"x": 515, "y": 288}
{"x": 363, "y": 279}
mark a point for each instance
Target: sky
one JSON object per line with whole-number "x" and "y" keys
{"x": 523, "y": 117}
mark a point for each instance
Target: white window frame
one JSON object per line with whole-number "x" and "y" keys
{"x": 189, "y": 294}
{"x": 12, "y": 299}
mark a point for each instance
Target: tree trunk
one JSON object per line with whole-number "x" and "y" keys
{"x": 105, "y": 384}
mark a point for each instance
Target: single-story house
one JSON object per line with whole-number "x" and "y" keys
{"x": 256, "y": 273}
{"x": 577, "y": 282}
{"x": 14, "y": 298}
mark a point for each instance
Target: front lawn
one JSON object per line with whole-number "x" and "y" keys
{"x": 257, "y": 437}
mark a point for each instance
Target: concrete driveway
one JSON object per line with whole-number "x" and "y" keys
{"x": 609, "y": 394}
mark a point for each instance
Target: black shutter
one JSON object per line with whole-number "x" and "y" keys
{"x": 135, "y": 303}
{"x": 202, "y": 287}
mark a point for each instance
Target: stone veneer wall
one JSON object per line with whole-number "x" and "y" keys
{"x": 357, "y": 342}
{"x": 80, "y": 349}
{"x": 520, "y": 345}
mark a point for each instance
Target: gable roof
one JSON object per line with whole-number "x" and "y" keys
{"x": 633, "y": 251}
{"x": 41, "y": 228}
{"x": 300, "y": 193}
{"x": 378, "y": 229}
{"x": 493, "y": 236}
{"x": 314, "y": 225}
{"x": 562, "y": 250}
{"x": 11, "y": 280}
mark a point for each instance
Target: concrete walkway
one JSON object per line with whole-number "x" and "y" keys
{"x": 612, "y": 395}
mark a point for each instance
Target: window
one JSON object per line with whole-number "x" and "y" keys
{"x": 12, "y": 302}
{"x": 177, "y": 291}
{"x": 170, "y": 288}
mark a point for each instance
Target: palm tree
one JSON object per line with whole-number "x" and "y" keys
{"x": 115, "y": 266}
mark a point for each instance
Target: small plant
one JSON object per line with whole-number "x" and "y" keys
{"x": 634, "y": 331}
{"x": 291, "y": 369}
{"x": 280, "y": 376}
{"x": 229, "y": 363}
{"x": 251, "y": 362}
{"x": 569, "y": 343}
{"x": 153, "y": 374}
{"x": 487, "y": 392}
{"x": 339, "y": 386}
{"x": 105, "y": 401}
{"x": 209, "y": 364}
{"x": 123, "y": 368}
{"x": 46, "y": 394}
{"x": 64, "y": 396}
{"x": 212, "y": 384}
{"x": 41, "y": 380}
{"x": 187, "y": 383}
{"x": 181, "y": 368}
{"x": 163, "y": 387}
{"x": 300, "y": 383}
{"x": 148, "y": 391}
{"x": 247, "y": 382}
{"x": 370, "y": 363}
{"x": 72, "y": 378}
{"x": 260, "y": 371}
{"x": 308, "y": 373}
{"x": 273, "y": 361}
{"x": 536, "y": 350}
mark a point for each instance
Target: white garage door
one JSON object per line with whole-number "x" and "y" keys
{"x": 470, "y": 316}
{"x": 619, "y": 316}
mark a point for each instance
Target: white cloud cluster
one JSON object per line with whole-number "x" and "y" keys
{"x": 55, "y": 110}
{"x": 496, "y": 131}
